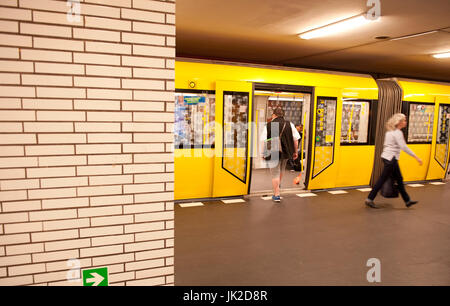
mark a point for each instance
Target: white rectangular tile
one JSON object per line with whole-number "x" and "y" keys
{"x": 365, "y": 189}
{"x": 337, "y": 191}
{"x": 415, "y": 185}
{"x": 306, "y": 195}
{"x": 193, "y": 204}
{"x": 437, "y": 183}
{"x": 233, "y": 201}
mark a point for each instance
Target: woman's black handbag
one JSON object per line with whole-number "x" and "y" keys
{"x": 389, "y": 189}
{"x": 295, "y": 164}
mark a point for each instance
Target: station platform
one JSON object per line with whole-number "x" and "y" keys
{"x": 324, "y": 239}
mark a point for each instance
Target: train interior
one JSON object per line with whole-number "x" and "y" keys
{"x": 296, "y": 106}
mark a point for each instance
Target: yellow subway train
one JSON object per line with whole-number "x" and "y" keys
{"x": 222, "y": 108}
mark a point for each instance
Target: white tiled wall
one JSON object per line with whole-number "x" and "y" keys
{"x": 86, "y": 112}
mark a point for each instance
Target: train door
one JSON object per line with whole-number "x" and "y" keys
{"x": 232, "y": 138}
{"x": 421, "y": 117}
{"x": 357, "y": 142}
{"x": 447, "y": 175}
{"x": 296, "y": 107}
{"x": 325, "y": 146}
{"x": 438, "y": 168}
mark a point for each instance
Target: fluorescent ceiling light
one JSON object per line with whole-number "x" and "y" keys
{"x": 337, "y": 27}
{"x": 414, "y": 35}
{"x": 285, "y": 99}
{"x": 442, "y": 55}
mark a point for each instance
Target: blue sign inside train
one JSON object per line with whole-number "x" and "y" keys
{"x": 194, "y": 100}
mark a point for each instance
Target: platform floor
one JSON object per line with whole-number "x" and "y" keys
{"x": 262, "y": 181}
{"x": 321, "y": 240}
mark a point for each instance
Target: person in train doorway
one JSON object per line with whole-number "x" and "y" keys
{"x": 394, "y": 143}
{"x": 299, "y": 128}
{"x": 296, "y": 164}
{"x": 289, "y": 137}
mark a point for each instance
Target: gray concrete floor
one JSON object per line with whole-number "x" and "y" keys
{"x": 323, "y": 240}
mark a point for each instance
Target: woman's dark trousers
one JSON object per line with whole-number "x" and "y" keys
{"x": 391, "y": 168}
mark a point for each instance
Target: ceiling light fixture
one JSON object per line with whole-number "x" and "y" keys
{"x": 442, "y": 55}
{"x": 285, "y": 99}
{"x": 414, "y": 35}
{"x": 337, "y": 27}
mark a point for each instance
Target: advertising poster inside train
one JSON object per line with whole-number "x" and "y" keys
{"x": 325, "y": 131}
{"x": 355, "y": 122}
{"x": 442, "y": 143}
{"x": 194, "y": 120}
{"x": 421, "y": 119}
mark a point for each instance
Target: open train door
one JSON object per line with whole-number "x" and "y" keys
{"x": 232, "y": 162}
{"x": 441, "y": 140}
{"x": 325, "y": 132}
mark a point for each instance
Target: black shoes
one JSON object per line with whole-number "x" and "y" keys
{"x": 370, "y": 203}
{"x": 411, "y": 203}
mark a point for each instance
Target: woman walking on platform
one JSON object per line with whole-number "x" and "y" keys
{"x": 394, "y": 143}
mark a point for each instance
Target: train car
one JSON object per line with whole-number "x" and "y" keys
{"x": 221, "y": 109}
{"x": 427, "y": 107}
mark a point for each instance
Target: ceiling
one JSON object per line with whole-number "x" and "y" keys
{"x": 265, "y": 32}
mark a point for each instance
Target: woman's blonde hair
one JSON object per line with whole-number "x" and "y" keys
{"x": 392, "y": 123}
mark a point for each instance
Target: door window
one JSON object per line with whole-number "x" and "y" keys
{"x": 355, "y": 122}
{"x": 442, "y": 141}
{"x": 235, "y": 133}
{"x": 325, "y": 131}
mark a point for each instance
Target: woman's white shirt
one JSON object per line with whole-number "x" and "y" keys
{"x": 394, "y": 143}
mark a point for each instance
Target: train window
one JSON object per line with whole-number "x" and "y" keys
{"x": 235, "y": 133}
{"x": 420, "y": 123}
{"x": 355, "y": 122}
{"x": 442, "y": 141}
{"x": 194, "y": 120}
{"x": 292, "y": 108}
{"x": 325, "y": 131}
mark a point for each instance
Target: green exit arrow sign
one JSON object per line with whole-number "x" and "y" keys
{"x": 95, "y": 277}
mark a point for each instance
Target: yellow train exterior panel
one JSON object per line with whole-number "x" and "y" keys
{"x": 232, "y": 166}
{"x": 194, "y": 169}
{"x": 205, "y": 75}
{"x": 325, "y": 167}
{"x": 415, "y": 91}
{"x": 355, "y": 166}
{"x": 411, "y": 170}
